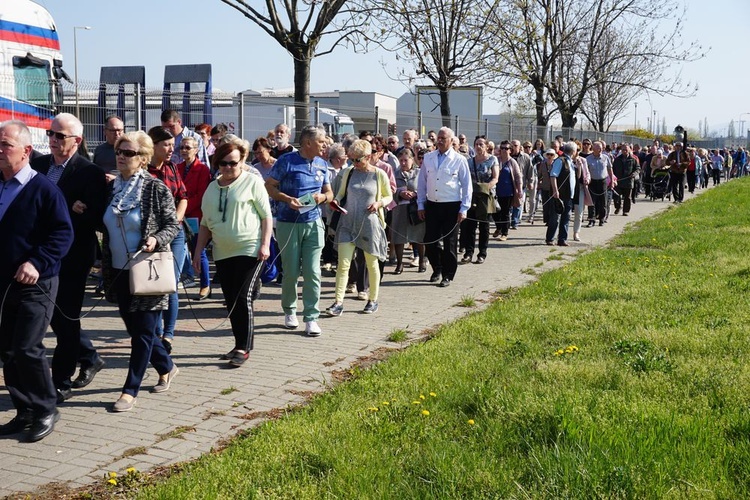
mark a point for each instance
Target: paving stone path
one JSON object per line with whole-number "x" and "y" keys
{"x": 208, "y": 402}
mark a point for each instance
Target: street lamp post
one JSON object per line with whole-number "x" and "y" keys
{"x": 740, "y": 122}
{"x": 75, "y": 64}
{"x": 635, "y": 119}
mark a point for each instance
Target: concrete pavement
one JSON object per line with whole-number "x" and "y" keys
{"x": 208, "y": 403}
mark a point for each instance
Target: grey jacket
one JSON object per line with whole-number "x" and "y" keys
{"x": 158, "y": 219}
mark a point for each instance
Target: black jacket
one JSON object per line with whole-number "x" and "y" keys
{"x": 82, "y": 181}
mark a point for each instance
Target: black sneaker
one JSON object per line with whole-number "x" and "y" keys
{"x": 238, "y": 358}
{"x": 370, "y": 307}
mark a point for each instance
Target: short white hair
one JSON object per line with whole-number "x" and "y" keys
{"x": 24, "y": 134}
{"x": 76, "y": 127}
{"x": 448, "y": 131}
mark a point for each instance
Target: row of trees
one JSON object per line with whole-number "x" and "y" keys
{"x": 567, "y": 57}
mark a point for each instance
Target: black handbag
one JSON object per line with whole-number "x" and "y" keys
{"x": 336, "y": 215}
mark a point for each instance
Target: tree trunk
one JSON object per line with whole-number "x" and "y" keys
{"x": 541, "y": 119}
{"x": 445, "y": 107}
{"x": 301, "y": 94}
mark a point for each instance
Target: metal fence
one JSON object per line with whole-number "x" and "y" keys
{"x": 250, "y": 116}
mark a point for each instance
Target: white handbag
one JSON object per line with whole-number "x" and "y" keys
{"x": 152, "y": 273}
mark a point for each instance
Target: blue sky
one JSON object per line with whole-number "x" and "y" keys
{"x": 155, "y": 33}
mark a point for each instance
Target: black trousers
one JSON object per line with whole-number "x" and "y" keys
{"x": 236, "y": 274}
{"x": 716, "y": 174}
{"x": 623, "y": 199}
{"x": 441, "y": 223}
{"x": 691, "y": 180}
{"x": 468, "y": 235}
{"x": 598, "y": 190}
{"x": 502, "y": 216}
{"x": 73, "y": 345}
{"x": 26, "y": 314}
{"x": 677, "y": 181}
{"x": 547, "y": 206}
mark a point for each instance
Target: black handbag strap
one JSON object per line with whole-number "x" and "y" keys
{"x": 346, "y": 185}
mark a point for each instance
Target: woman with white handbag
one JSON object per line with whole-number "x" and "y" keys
{"x": 140, "y": 219}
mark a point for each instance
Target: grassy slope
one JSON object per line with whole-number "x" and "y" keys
{"x": 652, "y": 403}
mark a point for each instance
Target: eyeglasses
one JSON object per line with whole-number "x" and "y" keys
{"x": 504, "y": 147}
{"x": 58, "y": 135}
{"x": 115, "y": 130}
{"x": 232, "y": 164}
{"x": 185, "y": 148}
{"x": 127, "y": 153}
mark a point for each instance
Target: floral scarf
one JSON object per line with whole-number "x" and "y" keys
{"x": 127, "y": 193}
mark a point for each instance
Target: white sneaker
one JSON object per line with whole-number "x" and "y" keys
{"x": 363, "y": 296}
{"x": 312, "y": 329}
{"x": 290, "y": 321}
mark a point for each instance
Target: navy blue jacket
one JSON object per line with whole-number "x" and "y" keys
{"x": 35, "y": 228}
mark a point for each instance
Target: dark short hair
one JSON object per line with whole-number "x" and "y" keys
{"x": 219, "y": 128}
{"x": 261, "y": 142}
{"x": 169, "y": 114}
{"x": 159, "y": 133}
{"x": 224, "y": 150}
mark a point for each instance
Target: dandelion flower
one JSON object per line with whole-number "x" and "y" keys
{"x": 470, "y": 421}
{"x": 113, "y": 482}
{"x": 421, "y": 396}
{"x": 416, "y": 402}
{"x": 385, "y": 403}
{"x": 666, "y": 286}
{"x": 425, "y": 412}
{"x": 130, "y": 470}
{"x": 373, "y": 408}
{"x": 113, "y": 474}
{"x": 433, "y": 394}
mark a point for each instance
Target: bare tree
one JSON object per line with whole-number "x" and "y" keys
{"x": 571, "y": 46}
{"x": 300, "y": 27}
{"x": 442, "y": 41}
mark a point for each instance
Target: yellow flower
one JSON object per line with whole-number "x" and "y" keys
{"x": 568, "y": 350}
{"x": 385, "y": 403}
{"x": 113, "y": 482}
{"x": 470, "y": 421}
{"x": 574, "y": 348}
{"x": 666, "y": 286}
{"x": 421, "y": 396}
{"x": 113, "y": 474}
{"x": 433, "y": 394}
{"x": 425, "y": 412}
{"x": 373, "y": 408}
{"x": 416, "y": 402}
{"x": 130, "y": 470}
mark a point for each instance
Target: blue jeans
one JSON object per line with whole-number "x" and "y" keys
{"x": 187, "y": 266}
{"x": 515, "y": 216}
{"x": 168, "y": 318}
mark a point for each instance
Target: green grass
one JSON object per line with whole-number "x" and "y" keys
{"x": 398, "y": 335}
{"x": 467, "y": 301}
{"x": 623, "y": 374}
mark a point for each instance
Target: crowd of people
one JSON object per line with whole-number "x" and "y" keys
{"x": 351, "y": 208}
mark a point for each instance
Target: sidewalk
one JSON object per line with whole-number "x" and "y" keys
{"x": 208, "y": 403}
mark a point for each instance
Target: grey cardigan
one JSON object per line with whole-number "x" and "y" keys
{"x": 158, "y": 219}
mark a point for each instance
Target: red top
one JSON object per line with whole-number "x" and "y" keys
{"x": 196, "y": 180}
{"x": 169, "y": 176}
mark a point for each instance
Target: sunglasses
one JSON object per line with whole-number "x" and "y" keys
{"x": 504, "y": 147}
{"x": 58, "y": 135}
{"x": 127, "y": 153}
{"x": 232, "y": 164}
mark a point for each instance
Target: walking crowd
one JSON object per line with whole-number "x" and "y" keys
{"x": 271, "y": 213}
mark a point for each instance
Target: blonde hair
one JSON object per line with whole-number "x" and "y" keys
{"x": 360, "y": 149}
{"x": 141, "y": 140}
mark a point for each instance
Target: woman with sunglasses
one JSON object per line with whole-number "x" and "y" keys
{"x": 484, "y": 171}
{"x": 163, "y": 169}
{"x": 196, "y": 176}
{"x": 237, "y": 217}
{"x": 507, "y": 191}
{"x": 366, "y": 191}
{"x": 140, "y": 215}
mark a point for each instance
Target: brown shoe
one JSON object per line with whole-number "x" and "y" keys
{"x": 204, "y": 293}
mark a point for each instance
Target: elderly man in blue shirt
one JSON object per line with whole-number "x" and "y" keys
{"x": 563, "y": 186}
{"x": 299, "y": 181}
{"x": 443, "y": 198}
